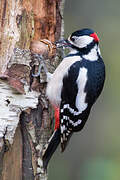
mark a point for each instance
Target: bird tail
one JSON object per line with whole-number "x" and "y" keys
{"x": 65, "y": 140}
{"x": 51, "y": 147}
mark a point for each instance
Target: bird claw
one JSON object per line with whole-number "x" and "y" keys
{"x": 60, "y": 45}
{"x": 42, "y": 65}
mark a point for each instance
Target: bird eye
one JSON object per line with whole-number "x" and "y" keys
{"x": 72, "y": 39}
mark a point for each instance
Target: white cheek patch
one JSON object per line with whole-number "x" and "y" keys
{"x": 81, "y": 41}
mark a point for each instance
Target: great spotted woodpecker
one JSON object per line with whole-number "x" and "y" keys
{"x": 74, "y": 87}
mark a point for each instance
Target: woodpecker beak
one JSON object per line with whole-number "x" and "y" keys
{"x": 62, "y": 43}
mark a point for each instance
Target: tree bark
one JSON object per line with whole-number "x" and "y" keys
{"x": 25, "y": 113}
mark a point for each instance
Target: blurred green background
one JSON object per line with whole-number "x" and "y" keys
{"x": 94, "y": 153}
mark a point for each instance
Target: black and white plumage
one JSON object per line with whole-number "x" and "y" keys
{"x": 76, "y": 84}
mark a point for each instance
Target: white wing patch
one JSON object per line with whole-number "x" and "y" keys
{"x": 81, "y": 41}
{"x": 81, "y": 81}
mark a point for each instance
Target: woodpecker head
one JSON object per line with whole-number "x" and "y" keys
{"x": 80, "y": 39}
{"x": 83, "y": 38}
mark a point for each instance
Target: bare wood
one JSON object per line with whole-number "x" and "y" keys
{"x": 12, "y": 166}
{"x": 23, "y": 97}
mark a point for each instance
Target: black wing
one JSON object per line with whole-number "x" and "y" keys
{"x": 68, "y": 107}
{"x": 71, "y": 119}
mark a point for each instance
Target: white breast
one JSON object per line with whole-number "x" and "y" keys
{"x": 54, "y": 86}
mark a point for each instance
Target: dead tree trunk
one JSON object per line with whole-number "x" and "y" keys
{"x": 25, "y": 113}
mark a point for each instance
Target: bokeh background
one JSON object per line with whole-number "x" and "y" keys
{"x": 94, "y": 153}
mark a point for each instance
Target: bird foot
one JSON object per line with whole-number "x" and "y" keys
{"x": 42, "y": 66}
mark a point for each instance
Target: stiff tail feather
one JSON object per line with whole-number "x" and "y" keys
{"x": 65, "y": 140}
{"x": 51, "y": 147}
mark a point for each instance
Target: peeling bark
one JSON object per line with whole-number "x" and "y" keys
{"x": 25, "y": 113}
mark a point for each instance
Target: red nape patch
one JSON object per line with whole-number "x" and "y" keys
{"x": 94, "y": 35}
{"x": 57, "y": 120}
